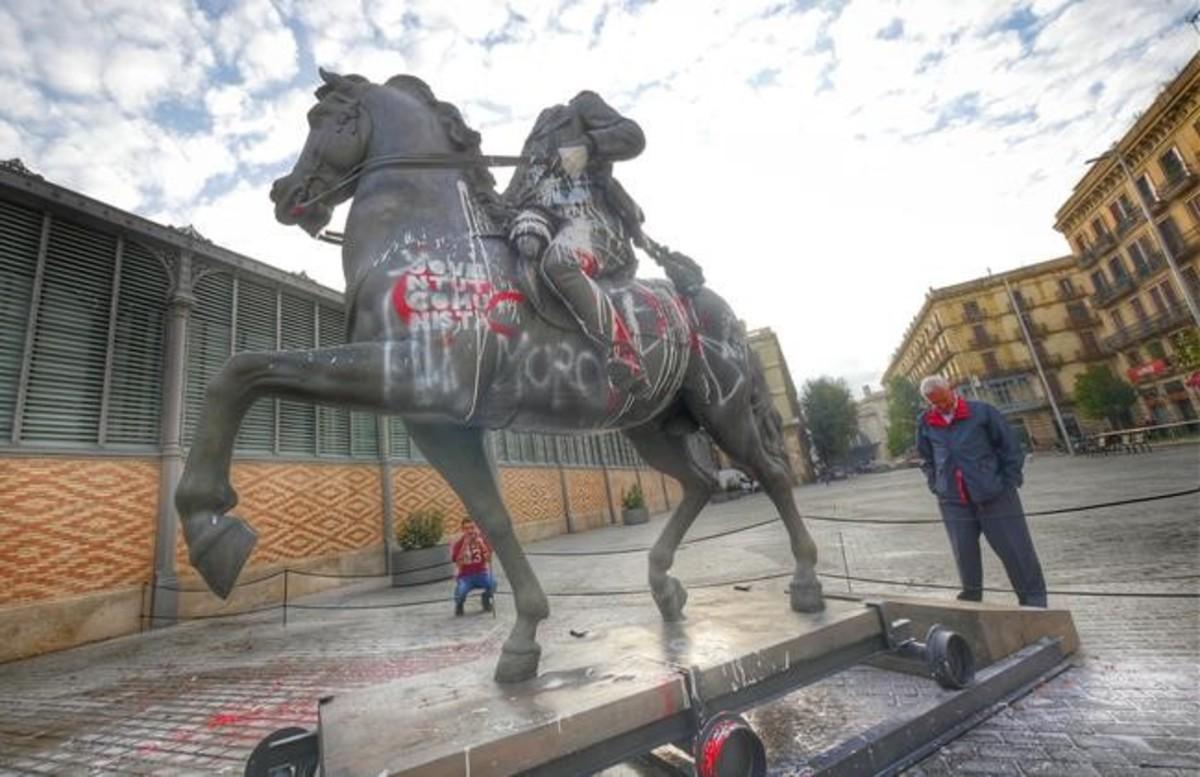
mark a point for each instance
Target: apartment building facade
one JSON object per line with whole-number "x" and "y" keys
{"x": 765, "y": 343}
{"x": 990, "y": 335}
{"x": 1136, "y": 209}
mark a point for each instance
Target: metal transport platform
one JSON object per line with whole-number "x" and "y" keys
{"x": 609, "y": 696}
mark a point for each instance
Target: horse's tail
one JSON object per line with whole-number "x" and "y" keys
{"x": 766, "y": 416}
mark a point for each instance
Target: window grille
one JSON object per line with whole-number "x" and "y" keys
{"x": 209, "y": 337}
{"x": 256, "y": 332}
{"x": 333, "y": 423}
{"x": 297, "y": 420}
{"x": 135, "y": 386}
{"x": 20, "y": 237}
{"x": 66, "y": 378}
{"x": 401, "y": 444}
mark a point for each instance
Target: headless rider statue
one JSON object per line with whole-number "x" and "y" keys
{"x": 577, "y": 219}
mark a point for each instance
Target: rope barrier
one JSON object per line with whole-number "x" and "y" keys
{"x": 716, "y": 584}
{"x": 705, "y": 538}
{"x": 253, "y": 581}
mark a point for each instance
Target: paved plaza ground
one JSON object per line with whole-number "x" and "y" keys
{"x": 195, "y": 698}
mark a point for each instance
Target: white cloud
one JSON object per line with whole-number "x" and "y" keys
{"x": 255, "y": 39}
{"x": 825, "y": 175}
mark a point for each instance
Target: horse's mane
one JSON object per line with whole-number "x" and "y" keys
{"x": 463, "y": 137}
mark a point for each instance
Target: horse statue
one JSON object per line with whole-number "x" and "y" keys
{"x": 449, "y": 329}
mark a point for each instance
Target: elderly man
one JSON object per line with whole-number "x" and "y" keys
{"x": 973, "y": 463}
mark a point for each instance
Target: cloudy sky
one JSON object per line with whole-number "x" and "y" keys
{"x": 826, "y": 161}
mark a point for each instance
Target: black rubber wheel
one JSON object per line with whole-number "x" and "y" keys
{"x": 272, "y": 760}
{"x": 728, "y": 747}
{"x": 951, "y": 660}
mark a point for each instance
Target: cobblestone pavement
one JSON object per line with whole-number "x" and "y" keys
{"x": 196, "y": 698}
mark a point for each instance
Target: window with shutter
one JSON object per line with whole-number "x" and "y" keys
{"x": 256, "y": 332}
{"x": 209, "y": 337}
{"x": 333, "y": 423}
{"x": 297, "y": 420}
{"x": 135, "y": 386}
{"x": 364, "y": 435}
{"x": 401, "y": 443}
{"x": 66, "y": 379}
{"x": 20, "y": 237}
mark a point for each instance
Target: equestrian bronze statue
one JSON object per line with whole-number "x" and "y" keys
{"x": 455, "y": 331}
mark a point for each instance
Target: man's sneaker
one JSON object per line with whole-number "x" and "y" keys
{"x": 458, "y": 608}
{"x": 487, "y": 602}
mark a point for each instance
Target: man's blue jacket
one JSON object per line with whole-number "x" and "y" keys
{"x": 974, "y": 457}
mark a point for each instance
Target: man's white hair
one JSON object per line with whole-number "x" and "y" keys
{"x": 931, "y": 382}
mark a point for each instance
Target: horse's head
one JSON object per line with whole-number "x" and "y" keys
{"x": 339, "y": 131}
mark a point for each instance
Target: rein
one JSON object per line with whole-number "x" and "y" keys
{"x": 426, "y": 162}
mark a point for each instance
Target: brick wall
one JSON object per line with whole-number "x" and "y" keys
{"x": 589, "y": 501}
{"x": 75, "y": 525}
{"x": 303, "y": 510}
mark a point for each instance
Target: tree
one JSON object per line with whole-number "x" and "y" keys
{"x": 1099, "y": 394}
{"x": 831, "y": 417}
{"x": 904, "y": 404}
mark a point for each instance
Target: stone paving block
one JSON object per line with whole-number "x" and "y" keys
{"x": 1011, "y": 752}
{"x": 1035, "y": 768}
{"x": 990, "y": 766}
{"x": 1172, "y": 760}
{"x": 1093, "y": 755}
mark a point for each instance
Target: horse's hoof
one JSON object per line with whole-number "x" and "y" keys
{"x": 671, "y": 598}
{"x": 219, "y": 551}
{"x": 806, "y": 596}
{"x": 515, "y": 667}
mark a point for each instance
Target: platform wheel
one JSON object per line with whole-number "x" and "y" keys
{"x": 288, "y": 752}
{"x": 951, "y": 660}
{"x": 727, "y": 746}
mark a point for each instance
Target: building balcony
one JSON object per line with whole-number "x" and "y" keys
{"x": 1128, "y": 222}
{"x": 975, "y": 315}
{"x": 1177, "y": 184}
{"x": 1050, "y": 361}
{"x": 1155, "y": 325}
{"x": 1005, "y": 371}
{"x": 1086, "y": 354}
{"x": 1110, "y": 294}
{"x": 1155, "y": 262}
{"x": 1020, "y": 405}
{"x": 1085, "y": 321}
{"x": 1075, "y": 293}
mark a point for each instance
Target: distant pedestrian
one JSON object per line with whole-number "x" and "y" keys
{"x": 973, "y": 464}
{"x": 472, "y": 555}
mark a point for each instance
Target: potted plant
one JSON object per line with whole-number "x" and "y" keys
{"x": 633, "y": 506}
{"x": 421, "y": 556}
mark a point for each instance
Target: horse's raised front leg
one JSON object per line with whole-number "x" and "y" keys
{"x": 368, "y": 376}
{"x": 670, "y": 455}
{"x": 458, "y": 453}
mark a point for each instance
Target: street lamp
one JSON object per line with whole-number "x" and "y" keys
{"x": 1188, "y": 297}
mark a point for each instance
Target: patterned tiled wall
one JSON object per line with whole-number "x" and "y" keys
{"x": 652, "y": 484}
{"x": 422, "y": 488}
{"x": 532, "y": 494}
{"x": 80, "y": 525}
{"x": 75, "y": 525}
{"x": 305, "y": 510}
{"x": 589, "y": 503}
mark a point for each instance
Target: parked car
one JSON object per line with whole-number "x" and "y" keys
{"x": 737, "y": 481}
